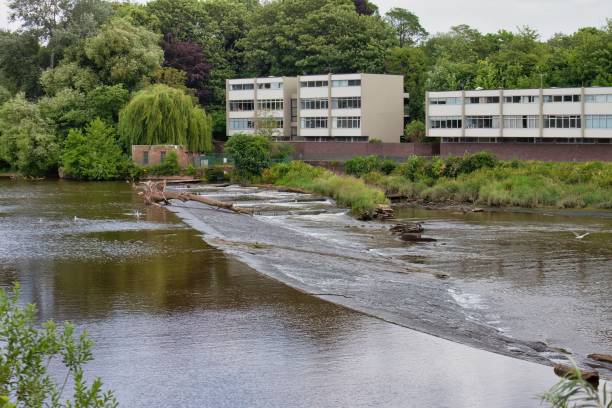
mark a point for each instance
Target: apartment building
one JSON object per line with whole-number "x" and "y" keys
{"x": 554, "y": 115}
{"x": 331, "y": 107}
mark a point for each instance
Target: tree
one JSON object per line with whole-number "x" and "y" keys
{"x": 67, "y": 109}
{"x": 164, "y": 115}
{"x": 106, "y": 101}
{"x": 364, "y": 7}
{"x": 27, "y": 141}
{"x": 410, "y": 62}
{"x": 5, "y": 95}
{"x": 415, "y": 131}
{"x": 25, "y": 356}
{"x": 189, "y": 58}
{"x": 251, "y": 154}
{"x": 93, "y": 154}
{"x": 406, "y": 25}
{"x": 68, "y": 75}
{"x": 20, "y": 63}
{"x": 124, "y": 54}
{"x": 313, "y": 36}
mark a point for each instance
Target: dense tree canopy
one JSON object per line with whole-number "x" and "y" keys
{"x": 164, "y": 115}
{"x": 71, "y": 61}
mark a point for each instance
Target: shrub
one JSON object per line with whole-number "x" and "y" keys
{"x": 477, "y": 161}
{"x": 252, "y": 154}
{"x": 215, "y": 174}
{"x": 414, "y": 168}
{"x": 360, "y": 165}
{"x": 93, "y": 154}
{"x": 387, "y": 166}
{"x": 415, "y": 131}
{"x": 375, "y": 140}
{"x": 26, "y": 353}
{"x": 168, "y": 167}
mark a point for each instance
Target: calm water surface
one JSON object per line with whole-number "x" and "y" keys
{"x": 178, "y": 323}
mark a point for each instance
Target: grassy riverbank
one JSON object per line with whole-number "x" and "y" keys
{"x": 348, "y": 191}
{"x": 480, "y": 179}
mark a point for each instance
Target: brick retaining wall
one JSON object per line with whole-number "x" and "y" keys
{"x": 341, "y": 151}
{"x": 533, "y": 151}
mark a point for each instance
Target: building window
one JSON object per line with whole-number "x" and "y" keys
{"x": 314, "y": 103}
{"x": 242, "y": 124}
{"x": 482, "y": 122}
{"x": 482, "y": 99}
{"x": 445, "y": 122}
{"x": 347, "y": 122}
{"x": 314, "y": 123}
{"x": 561, "y": 98}
{"x": 521, "y": 99}
{"x": 521, "y": 122}
{"x": 353, "y": 102}
{"x": 270, "y": 104}
{"x": 145, "y": 158}
{"x": 241, "y": 87}
{"x": 445, "y": 101}
{"x": 270, "y": 123}
{"x": 270, "y": 85}
{"x": 313, "y": 84}
{"x": 346, "y": 82}
{"x": 246, "y": 105}
{"x": 598, "y": 98}
{"x": 599, "y": 121}
{"x": 562, "y": 122}
{"x": 293, "y": 131}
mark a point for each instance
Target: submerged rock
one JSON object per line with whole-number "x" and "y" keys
{"x": 605, "y": 358}
{"x": 412, "y": 228}
{"x": 416, "y": 238}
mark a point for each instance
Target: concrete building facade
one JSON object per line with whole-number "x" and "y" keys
{"x": 318, "y": 108}
{"x": 554, "y": 115}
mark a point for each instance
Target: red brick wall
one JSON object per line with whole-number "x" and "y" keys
{"x": 533, "y": 151}
{"x": 155, "y": 151}
{"x": 340, "y": 151}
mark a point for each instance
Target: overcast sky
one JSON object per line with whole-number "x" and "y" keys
{"x": 546, "y": 16}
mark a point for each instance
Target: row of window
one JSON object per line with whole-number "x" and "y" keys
{"x": 343, "y": 122}
{"x": 245, "y": 123}
{"x": 266, "y": 85}
{"x": 270, "y": 104}
{"x": 335, "y": 83}
{"x": 352, "y": 102}
{"x": 521, "y": 122}
{"x": 522, "y": 99}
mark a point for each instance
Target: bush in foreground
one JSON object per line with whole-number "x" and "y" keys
{"x": 25, "y": 354}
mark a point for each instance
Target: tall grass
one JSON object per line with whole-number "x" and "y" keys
{"x": 347, "y": 191}
{"x": 502, "y": 184}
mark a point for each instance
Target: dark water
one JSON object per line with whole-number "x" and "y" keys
{"x": 178, "y": 323}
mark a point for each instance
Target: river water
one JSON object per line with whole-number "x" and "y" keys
{"x": 178, "y": 322}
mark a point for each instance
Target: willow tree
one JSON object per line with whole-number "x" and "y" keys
{"x": 163, "y": 115}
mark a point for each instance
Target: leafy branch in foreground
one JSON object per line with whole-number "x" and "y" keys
{"x": 26, "y": 353}
{"x": 574, "y": 391}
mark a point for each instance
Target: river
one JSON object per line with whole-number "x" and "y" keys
{"x": 179, "y": 322}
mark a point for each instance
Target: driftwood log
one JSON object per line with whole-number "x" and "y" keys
{"x": 154, "y": 193}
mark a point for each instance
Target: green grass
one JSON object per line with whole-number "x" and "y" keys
{"x": 514, "y": 183}
{"x": 347, "y": 191}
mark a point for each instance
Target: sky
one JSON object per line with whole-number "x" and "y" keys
{"x": 546, "y": 16}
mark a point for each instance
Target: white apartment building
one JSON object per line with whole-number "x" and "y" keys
{"x": 559, "y": 115}
{"x": 331, "y": 107}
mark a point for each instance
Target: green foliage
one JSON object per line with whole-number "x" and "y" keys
{"x": 27, "y": 141}
{"x": 124, "y": 54}
{"x": 411, "y": 62}
{"x": 163, "y": 115}
{"x": 68, "y": 75}
{"x": 105, "y": 102}
{"x": 93, "y": 154}
{"x": 168, "y": 167}
{"x": 215, "y": 174}
{"x": 347, "y": 191}
{"x": 251, "y": 154}
{"x": 406, "y": 25}
{"x": 25, "y": 356}
{"x": 415, "y": 131}
{"x": 67, "y": 110}
{"x": 5, "y": 95}
{"x": 362, "y": 165}
{"x": 20, "y": 63}
{"x": 280, "y": 151}
{"x": 312, "y": 36}
{"x": 375, "y": 140}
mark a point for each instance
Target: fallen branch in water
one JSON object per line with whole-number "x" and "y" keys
{"x": 154, "y": 193}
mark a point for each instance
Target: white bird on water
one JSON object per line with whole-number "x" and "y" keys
{"x": 76, "y": 218}
{"x": 578, "y": 236}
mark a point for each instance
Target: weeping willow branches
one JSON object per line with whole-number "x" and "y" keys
{"x": 164, "y": 115}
